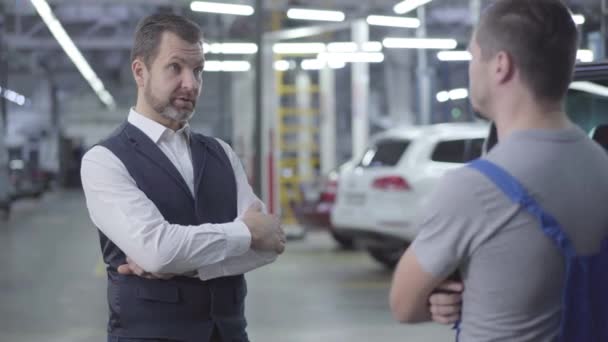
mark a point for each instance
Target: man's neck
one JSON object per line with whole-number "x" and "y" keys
{"x": 525, "y": 115}
{"x": 147, "y": 111}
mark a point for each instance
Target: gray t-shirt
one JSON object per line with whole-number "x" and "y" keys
{"x": 513, "y": 273}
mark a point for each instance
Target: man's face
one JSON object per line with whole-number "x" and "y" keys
{"x": 479, "y": 91}
{"x": 174, "y": 79}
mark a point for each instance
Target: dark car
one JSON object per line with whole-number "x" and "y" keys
{"x": 314, "y": 211}
{"x": 25, "y": 175}
{"x": 586, "y": 103}
{"x": 5, "y": 190}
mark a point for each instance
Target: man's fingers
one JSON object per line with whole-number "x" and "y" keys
{"x": 131, "y": 268}
{"x": 452, "y": 286}
{"x": 162, "y": 276}
{"x": 255, "y": 206}
{"x": 281, "y": 248}
{"x": 136, "y": 269}
{"x": 445, "y": 310}
{"x": 125, "y": 270}
{"x": 446, "y": 319}
{"x": 445, "y": 299}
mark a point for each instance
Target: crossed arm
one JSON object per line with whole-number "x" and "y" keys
{"x": 417, "y": 296}
{"x": 125, "y": 214}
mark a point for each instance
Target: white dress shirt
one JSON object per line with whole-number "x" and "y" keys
{"x": 131, "y": 220}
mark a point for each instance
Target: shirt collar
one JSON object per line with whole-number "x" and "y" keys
{"x": 154, "y": 130}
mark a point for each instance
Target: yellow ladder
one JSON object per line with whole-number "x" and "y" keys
{"x": 288, "y": 129}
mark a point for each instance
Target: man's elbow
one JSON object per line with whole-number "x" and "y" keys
{"x": 401, "y": 314}
{"x": 404, "y": 312}
{"x": 161, "y": 261}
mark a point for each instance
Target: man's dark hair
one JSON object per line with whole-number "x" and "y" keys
{"x": 540, "y": 36}
{"x": 150, "y": 30}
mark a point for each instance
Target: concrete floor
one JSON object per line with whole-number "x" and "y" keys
{"x": 52, "y": 287}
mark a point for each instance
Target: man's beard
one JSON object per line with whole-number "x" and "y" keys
{"x": 165, "y": 108}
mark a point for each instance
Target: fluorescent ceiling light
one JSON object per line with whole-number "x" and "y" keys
{"x": 282, "y": 65}
{"x": 298, "y": 48}
{"x": 448, "y": 56}
{"x": 336, "y": 64}
{"x": 443, "y": 96}
{"x": 316, "y": 48}
{"x": 352, "y": 47}
{"x": 459, "y": 94}
{"x": 585, "y": 56}
{"x": 312, "y": 64}
{"x": 66, "y": 43}
{"x": 409, "y": 5}
{"x": 342, "y": 47}
{"x": 227, "y": 66}
{"x": 13, "y": 96}
{"x": 579, "y": 19}
{"x": 217, "y": 7}
{"x": 590, "y": 87}
{"x": 230, "y": 48}
{"x": 372, "y": 46}
{"x": 383, "y": 20}
{"x": 317, "y": 64}
{"x": 419, "y": 43}
{"x": 454, "y": 94}
{"x": 318, "y": 15}
{"x": 352, "y": 57}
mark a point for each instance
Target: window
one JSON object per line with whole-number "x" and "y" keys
{"x": 474, "y": 149}
{"x": 385, "y": 153}
{"x": 451, "y": 151}
{"x": 587, "y": 103}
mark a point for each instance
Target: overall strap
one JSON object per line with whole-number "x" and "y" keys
{"x": 518, "y": 194}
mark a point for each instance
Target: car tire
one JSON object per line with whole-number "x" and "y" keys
{"x": 344, "y": 242}
{"x": 387, "y": 257}
{"x": 5, "y": 213}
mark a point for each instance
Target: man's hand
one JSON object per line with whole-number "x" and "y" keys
{"x": 131, "y": 268}
{"x": 446, "y": 301}
{"x": 266, "y": 231}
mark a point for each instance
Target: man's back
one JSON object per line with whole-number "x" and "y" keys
{"x": 513, "y": 273}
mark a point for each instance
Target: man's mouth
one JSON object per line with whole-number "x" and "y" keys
{"x": 184, "y": 101}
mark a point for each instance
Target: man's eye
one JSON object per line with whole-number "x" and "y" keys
{"x": 175, "y": 67}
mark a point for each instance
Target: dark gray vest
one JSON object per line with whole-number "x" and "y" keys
{"x": 183, "y": 308}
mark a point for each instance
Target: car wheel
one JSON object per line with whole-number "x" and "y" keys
{"x": 387, "y": 257}
{"x": 344, "y": 242}
{"x": 5, "y": 214}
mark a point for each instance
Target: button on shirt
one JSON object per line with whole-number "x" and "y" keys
{"x": 131, "y": 221}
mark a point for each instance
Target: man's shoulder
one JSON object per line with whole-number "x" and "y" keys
{"x": 459, "y": 190}
{"x": 113, "y": 137}
{"x": 213, "y": 142}
{"x": 464, "y": 179}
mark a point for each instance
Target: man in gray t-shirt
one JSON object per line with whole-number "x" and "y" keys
{"x": 523, "y": 57}
{"x": 512, "y": 272}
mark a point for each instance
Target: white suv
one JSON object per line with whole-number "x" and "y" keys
{"x": 378, "y": 199}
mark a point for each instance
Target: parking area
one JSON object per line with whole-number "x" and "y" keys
{"x": 52, "y": 289}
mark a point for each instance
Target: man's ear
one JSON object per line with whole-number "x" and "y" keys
{"x": 140, "y": 72}
{"x": 503, "y": 67}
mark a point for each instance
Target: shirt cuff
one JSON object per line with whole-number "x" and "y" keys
{"x": 238, "y": 239}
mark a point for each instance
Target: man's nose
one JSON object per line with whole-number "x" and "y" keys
{"x": 190, "y": 81}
